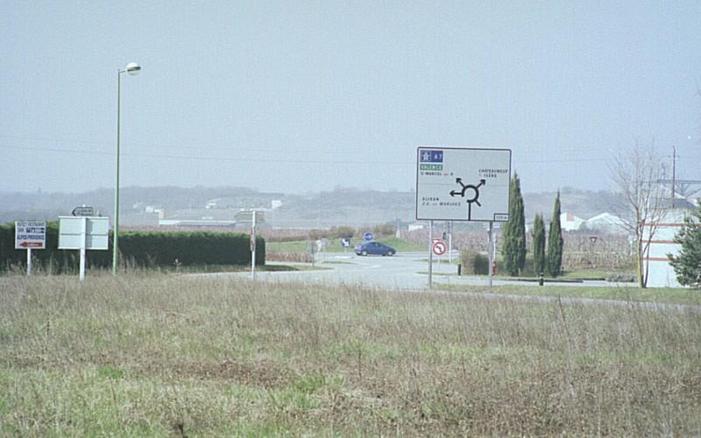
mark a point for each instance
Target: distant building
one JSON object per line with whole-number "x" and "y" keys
{"x": 149, "y": 219}
{"x": 212, "y": 203}
{"x": 660, "y": 272}
{"x": 570, "y": 222}
{"x": 414, "y": 227}
{"x": 605, "y": 223}
{"x": 201, "y": 217}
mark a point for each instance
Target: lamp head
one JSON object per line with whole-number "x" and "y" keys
{"x": 132, "y": 68}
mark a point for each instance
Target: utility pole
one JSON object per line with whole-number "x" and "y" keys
{"x": 674, "y": 171}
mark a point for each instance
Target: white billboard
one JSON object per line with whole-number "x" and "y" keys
{"x": 83, "y": 232}
{"x": 462, "y": 184}
{"x": 30, "y": 235}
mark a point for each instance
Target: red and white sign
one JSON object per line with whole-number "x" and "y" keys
{"x": 439, "y": 247}
{"x": 30, "y": 235}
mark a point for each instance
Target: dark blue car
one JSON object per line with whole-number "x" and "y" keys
{"x": 375, "y": 248}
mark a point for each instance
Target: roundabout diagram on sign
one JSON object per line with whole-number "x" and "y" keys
{"x": 471, "y": 192}
{"x": 462, "y": 184}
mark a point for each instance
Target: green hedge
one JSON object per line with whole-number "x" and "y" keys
{"x": 474, "y": 263}
{"x": 138, "y": 249}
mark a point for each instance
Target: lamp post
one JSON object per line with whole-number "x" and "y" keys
{"x": 133, "y": 69}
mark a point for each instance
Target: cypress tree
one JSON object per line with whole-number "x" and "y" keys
{"x": 555, "y": 242}
{"x": 514, "y": 247}
{"x": 538, "y": 244}
{"x": 687, "y": 265}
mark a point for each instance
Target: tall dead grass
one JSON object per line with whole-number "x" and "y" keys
{"x": 156, "y": 354}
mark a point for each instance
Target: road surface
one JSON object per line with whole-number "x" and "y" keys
{"x": 408, "y": 272}
{"x": 404, "y": 271}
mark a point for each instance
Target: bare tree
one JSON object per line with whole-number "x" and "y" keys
{"x": 635, "y": 174}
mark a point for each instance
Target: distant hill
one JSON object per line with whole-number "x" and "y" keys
{"x": 342, "y": 206}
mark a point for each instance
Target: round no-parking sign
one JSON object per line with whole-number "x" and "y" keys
{"x": 439, "y": 247}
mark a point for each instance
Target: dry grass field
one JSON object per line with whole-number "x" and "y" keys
{"x": 160, "y": 355}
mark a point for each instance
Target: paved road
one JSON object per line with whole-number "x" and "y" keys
{"x": 408, "y": 272}
{"x": 404, "y": 271}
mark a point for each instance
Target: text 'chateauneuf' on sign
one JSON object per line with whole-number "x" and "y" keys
{"x": 462, "y": 184}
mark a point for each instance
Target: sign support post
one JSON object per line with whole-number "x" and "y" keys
{"x": 490, "y": 252}
{"x": 253, "y": 245}
{"x": 450, "y": 242}
{"x": 430, "y": 254}
{"x": 83, "y": 238}
{"x": 29, "y": 262}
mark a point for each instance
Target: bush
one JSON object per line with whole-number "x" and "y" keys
{"x": 384, "y": 230}
{"x": 687, "y": 264}
{"x": 480, "y": 264}
{"x": 342, "y": 232}
{"x": 474, "y": 263}
{"x": 141, "y": 249}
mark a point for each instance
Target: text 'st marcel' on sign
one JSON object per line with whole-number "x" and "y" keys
{"x": 462, "y": 184}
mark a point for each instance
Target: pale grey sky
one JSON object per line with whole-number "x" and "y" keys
{"x": 297, "y": 96}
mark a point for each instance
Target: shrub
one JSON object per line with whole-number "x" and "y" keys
{"x": 342, "y": 232}
{"x": 142, "y": 249}
{"x": 474, "y": 263}
{"x": 384, "y": 230}
{"x": 687, "y": 264}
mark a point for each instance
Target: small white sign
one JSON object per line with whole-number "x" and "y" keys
{"x": 83, "y": 210}
{"x": 462, "y": 184}
{"x": 30, "y": 235}
{"x": 83, "y": 232}
{"x": 439, "y": 247}
{"x": 246, "y": 216}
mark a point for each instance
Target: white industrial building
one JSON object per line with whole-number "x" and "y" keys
{"x": 606, "y": 223}
{"x": 570, "y": 222}
{"x": 660, "y": 272}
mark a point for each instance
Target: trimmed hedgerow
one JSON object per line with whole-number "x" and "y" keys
{"x": 139, "y": 249}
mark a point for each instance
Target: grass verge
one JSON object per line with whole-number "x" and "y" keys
{"x": 621, "y": 293}
{"x": 152, "y": 355}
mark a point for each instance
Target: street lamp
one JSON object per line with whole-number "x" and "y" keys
{"x": 133, "y": 69}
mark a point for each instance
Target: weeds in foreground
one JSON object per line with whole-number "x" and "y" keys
{"x": 156, "y": 355}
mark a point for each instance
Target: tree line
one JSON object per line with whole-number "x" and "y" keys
{"x": 548, "y": 253}
{"x": 514, "y": 237}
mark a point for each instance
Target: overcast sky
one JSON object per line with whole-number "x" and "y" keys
{"x": 296, "y": 96}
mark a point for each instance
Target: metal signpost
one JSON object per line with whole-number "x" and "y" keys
{"x": 254, "y": 217}
{"x": 450, "y": 242}
{"x": 30, "y": 235}
{"x": 462, "y": 184}
{"x": 83, "y": 233}
{"x": 253, "y": 245}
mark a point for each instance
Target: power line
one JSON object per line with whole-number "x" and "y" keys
{"x": 274, "y": 160}
{"x": 190, "y": 146}
{"x": 202, "y": 157}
